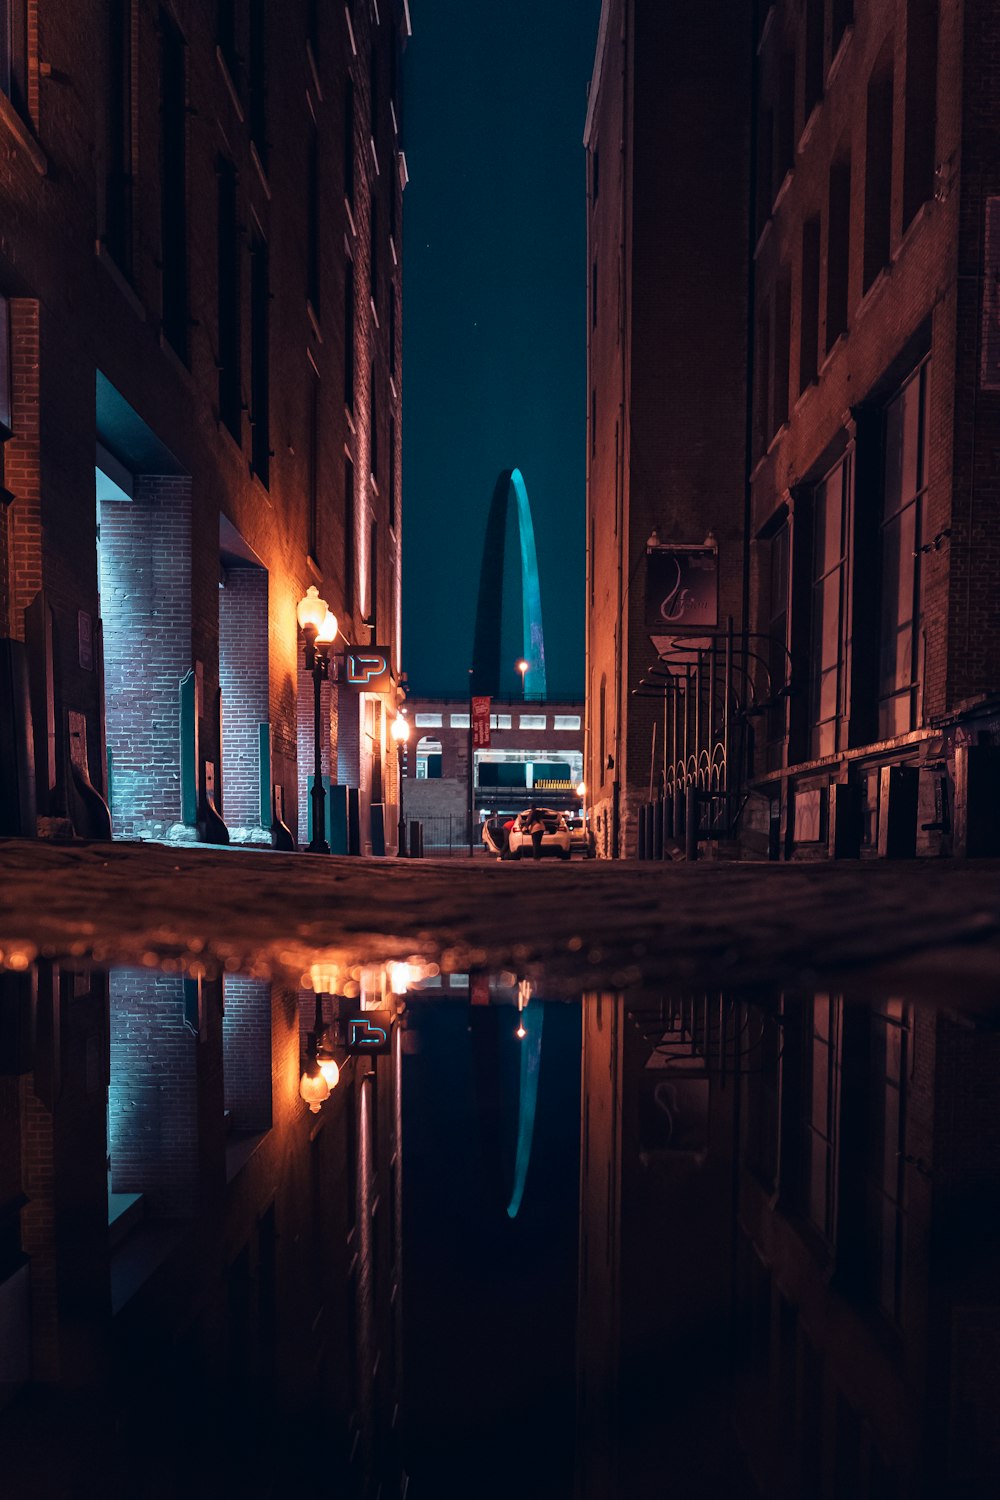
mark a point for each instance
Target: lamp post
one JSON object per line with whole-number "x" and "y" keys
{"x": 319, "y": 626}
{"x": 522, "y": 667}
{"x": 320, "y": 1069}
{"x": 400, "y": 731}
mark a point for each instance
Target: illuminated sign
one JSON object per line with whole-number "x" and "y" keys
{"x": 367, "y": 669}
{"x": 370, "y": 1031}
{"x": 682, "y": 588}
{"x": 481, "y": 723}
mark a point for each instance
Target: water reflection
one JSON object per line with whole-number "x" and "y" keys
{"x": 690, "y": 1244}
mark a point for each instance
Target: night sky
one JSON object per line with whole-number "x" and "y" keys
{"x": 494, "y": 315}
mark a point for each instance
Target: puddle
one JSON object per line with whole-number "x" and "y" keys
{"x": 404, "y": 1228}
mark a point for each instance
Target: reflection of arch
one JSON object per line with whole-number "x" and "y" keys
{"x": 489, "y": 611}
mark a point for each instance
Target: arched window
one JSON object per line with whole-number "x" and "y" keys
{"x": 428, "y": 758}
{"x": 603, "y": 731}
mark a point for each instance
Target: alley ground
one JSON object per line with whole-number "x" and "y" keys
{"x": 930, "y": 927}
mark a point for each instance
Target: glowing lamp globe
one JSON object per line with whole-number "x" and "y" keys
{"x": 330, "y": 1071}
{"x": 313, "y": 1087}
{"x": 400, "y": 730}
{"x": 581, "y": 790}
{"x": 328, "y": 630}
{"x": 311, "y": 611}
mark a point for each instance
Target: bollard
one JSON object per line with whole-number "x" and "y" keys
{"x": 416, "y": 839}
{"x": 641, "y": 850}
{"x": 666, "y": 826}
{"x": 691, "y": 823}
{"x": 657, "y": 812}
{"x": 679, "y": 814}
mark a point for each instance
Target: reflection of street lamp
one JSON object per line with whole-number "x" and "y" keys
{"x": 522, "y": 667}
{"x": 400, "y": 731}
{"x": 320, "y": 1069}
{"x": 319, "y": 626}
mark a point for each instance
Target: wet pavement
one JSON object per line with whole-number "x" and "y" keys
{"x": 622, "y": 1181}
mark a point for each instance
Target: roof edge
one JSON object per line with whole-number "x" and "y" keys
{"x": 598, "y": 73}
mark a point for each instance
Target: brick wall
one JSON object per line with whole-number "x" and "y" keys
{"x": 153, "y": 1095}
{"x": 246, "y": 1047}
{"x": 146, "y": 606}
{"x": 22, "y": 461}
{"x": 243, "y": 679}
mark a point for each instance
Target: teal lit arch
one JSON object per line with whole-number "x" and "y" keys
{"x": 486, "y": 664}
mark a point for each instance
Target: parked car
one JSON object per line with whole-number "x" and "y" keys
{"x": 581, "y": 838}
{"x": 556, "y": 839}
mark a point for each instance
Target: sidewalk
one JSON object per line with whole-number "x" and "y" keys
{"x": 933, "y": 927}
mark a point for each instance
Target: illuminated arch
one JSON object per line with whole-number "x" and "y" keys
{"x": 486, "y": 665}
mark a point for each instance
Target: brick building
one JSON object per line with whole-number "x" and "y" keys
{"x": 535, "y": 755}
{"x": 200, "y": 1279}
{"x": 667, "y": 338}
{"x": 200, "y": 281}
{"x": 875, "y": 499}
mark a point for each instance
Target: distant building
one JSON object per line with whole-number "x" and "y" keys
{"x": 535, "y": 755}
{"x": 667, "y": 136}
{"x": 200, "y": 353}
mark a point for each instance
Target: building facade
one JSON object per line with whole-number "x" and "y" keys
{"x": 667, "y": 340}
{"x": 875, "y": 500}
{"x": 200, "y": 349}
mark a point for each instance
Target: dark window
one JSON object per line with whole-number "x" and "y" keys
{"x": 6, "y": 408}
{"x": 349, "y": 529}
{"x": 777, "y": 638}
{"x": 765, "y": 167}
{"x": 118, "y": 181}
{"x": 258, "y": 77}
{"x": 762, "y": 1101}
{"x": 392, "y": 472}
{"x": 227, "y": 36}
{"x": 173, "y": 185}
{"x": 782, "y": 341}
{"x": 229, "y": 310}
{"x": 921, "y": 105}
{"x": 373, "y": 579}
{"x": 603, "y": 730}
{"x": 838, "y": 231}
{"x": 373, "y": 250}
{"x": 593, "y": 424}
{"x": 827, "y": 650}
{"x": 373, "y": 421}
{"x": 349, "y": 332}
{"x": 813, "y": 55}
{"x": 312, "y": 27}
{"x": 373, "y": 86}
{"x": 312, "y": 224}
{"x": 841, "y": 16}
{"x": 14, "y": 52}
{"x": 593, "y": 294}
{"x": 392, "y": 328}
{"x": 260, "y": 374}
{"x": 904, "y": 493}
{"x": 878, "y": 170}
{"x": 885, "y": 1142}
{"x": 313, "y": 477}
{"x": 812, "y": 1050}
{"x": 809, "y": 304}
{"x": 762, "y": 400}
{"x": 596, "y": 172}
{"x": 349, "y": 141}
{"x": 784, "y": 140}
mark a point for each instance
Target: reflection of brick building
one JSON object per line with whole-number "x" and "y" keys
{"x": 199, "y": 297}
{"x": 535, "y": 755}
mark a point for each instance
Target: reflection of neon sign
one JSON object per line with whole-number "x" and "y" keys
{"x": 364, "y": 1034}
{"x": 368, "y": 669}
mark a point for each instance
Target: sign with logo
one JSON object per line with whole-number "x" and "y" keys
{"x": 682, "y": 588}
{"x": 367, "y": 669}
{"x": 481, "y": 723}
{"x": 368, "y": 1031}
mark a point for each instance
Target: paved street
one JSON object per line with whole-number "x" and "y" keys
{"x": 931, "y": 927}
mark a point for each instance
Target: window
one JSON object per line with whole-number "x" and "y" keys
{"x": 885, "y": 1142}
{"x": 777, "y": 639}
{"x": 603, "y": 721}
{"x": 500, "y": 721}
{"x": 593, "y": 424}
{"x": 762, "y": 395}
{"x": 838, "y": 248}
{"x": 392, "y": 327}
{"x": 225, "y": 35}
{"x": 313, "y": 476}
{"x": 373, "y": 421}
{"x": 566, "y": 721}
{"x": 809, "y": 304}
{"x": 373, "y": 253}
{"x": 429, "y": 757}
{"x": 459, "y": 721}
{"x": 531, "y": 721}
{"x": 593, "y": 294}
{"x": 920, "y": 123}
{"x": 392, "y": 473}
{"x": 14, "y": 52}
{"x": 784, "y": 138}
{"x": 373, "y": 579}
{"x": 228, "y": 282}
{"x": 118, "y": 178}
{"x": 842, "y": 14}
{"x": 349, "y": 530}
{"x": 173, "y": 186}
{"x": 596, "y": 172}
{"x": 428, "y": 721}
{"x": 260, "y": 372}
{"x": 258, "y": 78}
{"x": 781, "y": 346}
{"x": 6, "y": 391}
{"x": 813, "y": 55}
{"x": 827, "y": 630}
{"x": 349, "y": 334}
{"x": 373, "y": 87}
{"x": 904, "y": 491}
{"x": 349, "y": 141}
{"x": 815, "y": 1099}
{"x": 878, "y": 169}
{"x": 312, "y": 225}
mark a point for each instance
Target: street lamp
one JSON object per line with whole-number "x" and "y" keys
{"x": 522, "y": 667}
{"x": 400, "y": 731}
{"x": 320, "y": 1069}
{"x": 319, "y": 626}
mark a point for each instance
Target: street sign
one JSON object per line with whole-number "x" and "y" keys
{"x": 682, "y": 587}
{"x": 481, "y": 723}
{"x": 367, "y": 669}
{"x": 368, "y": 1031}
